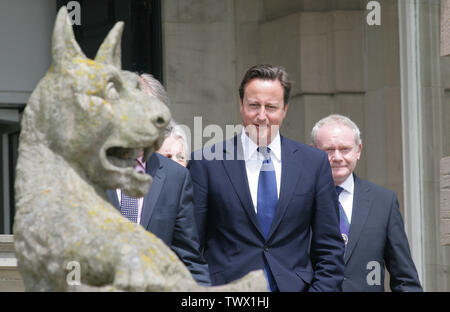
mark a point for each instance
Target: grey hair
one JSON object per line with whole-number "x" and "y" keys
{"x": 337, "y": 119}
{"x": 152, "y": 86}
{"x": 174, "y": 129}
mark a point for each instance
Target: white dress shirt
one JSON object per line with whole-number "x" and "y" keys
{"x": 253, "y": 162}
{"x": 346, "y": 196}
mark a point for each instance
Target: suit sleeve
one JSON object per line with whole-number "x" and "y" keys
{"x": 199, "y": 178}
{"x": 185, "y": 241}
{"x": 327, "y": 246}
{"x": 398, "y": 260}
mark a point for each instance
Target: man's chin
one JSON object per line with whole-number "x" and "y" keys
{"x": 254, "y": 135}
{"x": 264, "y": 137}
{"x": 339, "y": 177}
{"x": 261, "y": 135}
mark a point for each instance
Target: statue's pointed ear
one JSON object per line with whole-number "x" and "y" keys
{"x": 64, "y": 45}
{"x": 110, "y": 51}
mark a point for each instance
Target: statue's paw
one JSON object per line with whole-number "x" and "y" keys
{"x": 138, "y": 279}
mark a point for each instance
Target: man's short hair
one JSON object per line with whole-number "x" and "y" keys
{"x": 151, "y": 85}
{"x": 337, "y": 119}
{"x": 267, "y": 72}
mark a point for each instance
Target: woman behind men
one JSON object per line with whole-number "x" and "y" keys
{"x": 175, "y": 144}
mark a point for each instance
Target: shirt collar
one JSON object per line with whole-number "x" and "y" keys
{"x": 140, "y": 165}
{"x": 349, "y": 184}
{"x": 249, "y": 147}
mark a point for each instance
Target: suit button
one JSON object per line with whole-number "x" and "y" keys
{"x": 266, "y": 248}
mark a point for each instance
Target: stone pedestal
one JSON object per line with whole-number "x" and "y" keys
{"x": 445, "y": 201}
{"x": 10, "y": 278}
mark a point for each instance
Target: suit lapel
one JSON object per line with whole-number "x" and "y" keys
{"x": 112, "y": 196}
{"x": 234, "y": 165}
{"x": 290, "y": 173}
{"x": 153, "y": 168}
{"x": 360, "y": 211}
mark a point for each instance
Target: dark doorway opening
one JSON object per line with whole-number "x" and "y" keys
{"x": 141, "y": 39}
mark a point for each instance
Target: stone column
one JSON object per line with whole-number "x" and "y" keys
{"x": 445, "y": 27}
{"x": 445, "y": 201}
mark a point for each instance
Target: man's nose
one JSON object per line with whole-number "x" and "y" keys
{"x": 262, "y": 113}
{"x": 336, "y": 155}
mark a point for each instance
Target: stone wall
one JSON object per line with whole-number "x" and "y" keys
{"x": 445, "y": 27}
{"x": 25, "y": 52}
{"x": 433, "y": 93}
{"x": 445, "y": 201}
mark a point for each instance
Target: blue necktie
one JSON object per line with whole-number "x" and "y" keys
{"x": 267, "y": 202}
{"x": 129, "y": 207}
{"x": 344, "y": 224}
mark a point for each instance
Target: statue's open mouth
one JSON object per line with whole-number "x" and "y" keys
{"x": 123, "y": 157}
{"x": 118, "y": 159}
{"x": 122, "y": 160}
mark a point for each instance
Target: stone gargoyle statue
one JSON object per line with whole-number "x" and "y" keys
{"x": 82, "y": 128}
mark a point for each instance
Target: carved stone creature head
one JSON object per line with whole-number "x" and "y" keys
{"x": 94, "y": 114}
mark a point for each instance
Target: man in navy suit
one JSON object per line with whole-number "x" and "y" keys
{"x": 263, "y": 201}
{"x": 167, "y": 210}
{"x": 374, "y": 231}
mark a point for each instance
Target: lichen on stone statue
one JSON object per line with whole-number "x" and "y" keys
{"x": 82, "y": 128}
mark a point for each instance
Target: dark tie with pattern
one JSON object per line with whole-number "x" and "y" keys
{"x": 129, "y": 207}
{"x": 267, "y": 202}
{"x": 344, "y": 224}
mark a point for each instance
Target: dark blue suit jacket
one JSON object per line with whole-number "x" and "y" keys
{"x": 304, "y": 248}
{"x": 377, "y": 235}
{"x": 168, "y": 212}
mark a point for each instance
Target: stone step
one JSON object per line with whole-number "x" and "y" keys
{"x": 10, "y": 278}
